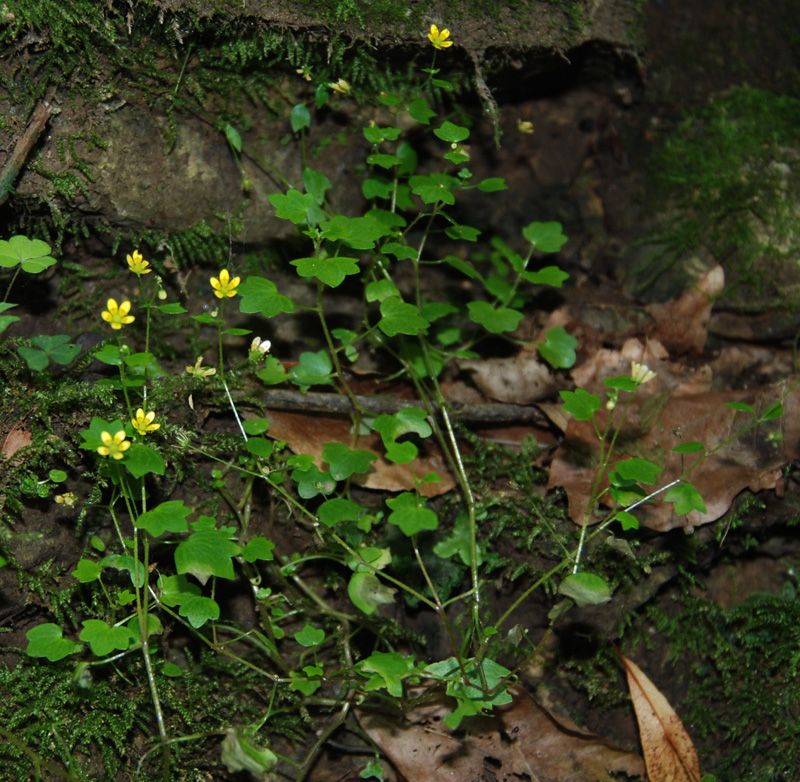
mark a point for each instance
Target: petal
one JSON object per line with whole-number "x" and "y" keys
{"x": 119, "y": 436}
{"x": 148, "y": 419}
{"x": 124, "y": 308}
{"x": 125, "y": 445}
{"x": 215, "y": 283}
{"x": 224, "y": 277}
{"x": 106, "y": 316}
{"x": 106, "y": 438}
{"x": 111, "y": 306}
{"x": 102, "y": 450}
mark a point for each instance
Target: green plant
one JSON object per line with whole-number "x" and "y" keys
{"x": 168, "y": 561}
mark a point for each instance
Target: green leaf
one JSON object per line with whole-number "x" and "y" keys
{"x": 33, "y": 254}
{"x": 109, "y": 354}
{"x": 261, "y": 295}
{"x": 128, "y": 563}
{"x": 171, "y": 670}
{"x": 234, "y": 139}
{"x": 580, "y": 403}
{"x": 550, "y": 275}
{"x": 399, "y": 317}
{"x": 639, "y": 470}
{"x": 585, "y": 589}
{"x": 685, "y": 498}
{"x": 420, "y": 111}
{"x": 400, "y": 251}
{"x": 367, "y": 592}
{"x": 273, "y": 372}
{"x": 434, "y": 188}
{"x": 383, "y": 160}
{"x": 205, "y": 554}
{"x": 258, "y": 446}
{"x": 312, "y": 369}
{"x": 545, "y": 237}
{"x": 171, "y": 309}
{"x": 104, "y": 639}
{"x": 198, "y": 610}
{"x": 742, "y": 407}
{"x": 300, "y": 117}
{"x": 621, "y": 383}
{"x": 377, "y": 135}
{"x": 464, "y": 267}
{"x": 451, "y": 133}
{"x": 37, "y": 360}
{"x": 558, "y": 348}
{"x": 377, "y": 187}
{"x": 494, "y": 320}
{"x": 374, "y": 769}
{"x": 378, "y": 290}
{"x": 402, "y": 453}
{"x": 410, "y": 517}
{"x": 255, "y": 426}
{"x": 169, "y": 516}
{"x": 392, "y": 667}
{"x": 294, "y": 206}
{"x": 258, "y": 548}
{"x": 310, "y": 636}
{"x": 175, "y": 589}
{"x": 465, "y": 232}
{"x": 628, "y": 520}
{"x": 458, "y": 542}
{"x": 690, "y": 447}
{"x": 316, "y": 183}
{"x": 406, "y": 152}
{"x": 311, "y": 482}
{"x": 360, "y": 233}
{"x": 87, "y": 571}
{"x": 142, "y": 460}
{"x": 772, "y": 412}
{"x": 343, "y": 462}
{"x": 331, "y": 271}
{"x": 331, "y": 512}
{"x": 492, "y": 185}
{"x": 46, "y": 640}
{"x": 409, "y": 419}
{"x": 241, "y": 753}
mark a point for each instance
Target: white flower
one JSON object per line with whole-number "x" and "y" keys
{"x": 641, "y": 373}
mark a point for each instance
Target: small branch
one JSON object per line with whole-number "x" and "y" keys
{"x": 335, "y": 404}
{"x": 22, "y": 149}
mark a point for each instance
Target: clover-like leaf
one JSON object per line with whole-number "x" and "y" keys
{"x": 497, "y": 320}
{"x": 310, "y": 636}
{"x": 360, "y": 233}
{"x": 198, "y": 610}
{"x": 580, "y": 403}
{"x": 546, "y": 237}
{"x": 258, "y": 548}
{"x": 141, "y": 459}
{"x": 343, "y": 461}
{"x": 558, "y": 349}
{"x": 685, "y": 498}
{"x": 169, "y": 516}
{"x": 32, "y": 254}
{"x": 331, "y": 271}
{"x": 420, "y": 111}
{"x": 47, "y": 640}
{"x": 399, "y": 317}
{"x": 294, "y": 206}
{"x": 300, "y": 117}
{"x": 104, "y": 639}
{"x": 312, "y": 369}
{"x": 258, "y": 294}
{"x": 331, "y": 512}
{"x": 316, "y": 183}
{"x": 205, "y": 554}
{"x": 451, "y": 133}
{"x": 392, "y": 667}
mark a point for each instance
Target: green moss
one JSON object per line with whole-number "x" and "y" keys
{"x": 723, "y": 181}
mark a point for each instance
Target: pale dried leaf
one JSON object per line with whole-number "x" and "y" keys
{"x": 521, "y": 741}
{"x": 519, "y": 381}
{"x": 308, "y": 434}
{"x": 19, "y": 437}
{"x": 669, "y": 753}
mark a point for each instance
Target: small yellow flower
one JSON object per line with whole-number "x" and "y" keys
{"x": 305, "y": 72}
{"x": 138, "y": 265}
{"x": 225, "y": 286}
{"x": 641, "y": 373}
{"x": 525, "y": 126}
{"x": 340, "y": 86}
{"x": 117, "y": 315}
{"x": 439, "y": 39}
{"x": 143, "y": 423}
{"x": 199, "y": 371}
{"x": 114, "y": 446}
{"x": 67, "y": 499}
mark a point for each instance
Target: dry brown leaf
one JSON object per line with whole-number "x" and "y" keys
{"x": 675, "y": 408}
{"x": 19, "y": 437}
{"x": 522, "y": 741}
{"x": 669, "y": 753}
{"x": 681, "y": 325}
{"x": 516, "y": 380}
{"x": 306, "y": 433}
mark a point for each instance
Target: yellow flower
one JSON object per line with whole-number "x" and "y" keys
{"x": 340, "y": 86}
{"x": 138, "y": 265}
{"x": 524, "y": 126}
{"x": 143, "y": 423}
{"x": 305, "y": 72}
{"x": 641, "y": 373}
{"x": 67, "y": 499}
{"x": 225, "y": 286}
{"x": 439, "y": 39}
{"x": 117, "y": 315}
{"x": 199, "y": 371}
{"x": 114, "y": 446}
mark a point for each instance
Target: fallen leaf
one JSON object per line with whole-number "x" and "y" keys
{"x": 676, "y": 408}
{"x": 19, "y": 437}
{"x": 521, "y": 741}
{"x": 669, "y": 753}
{"x": 306, "y": 433}
{"x": 516, "y": 380}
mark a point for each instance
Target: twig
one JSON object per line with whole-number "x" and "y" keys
{"x": 336, "y": 404}
{"x": 11, "y": 169}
